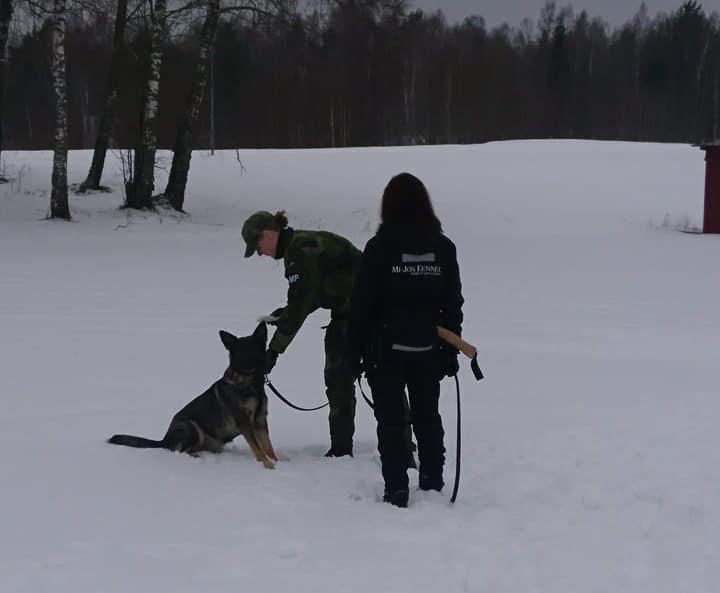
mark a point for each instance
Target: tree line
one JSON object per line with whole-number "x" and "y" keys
{"x": 144, "y": 74}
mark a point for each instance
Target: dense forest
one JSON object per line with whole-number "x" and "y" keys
{"x": 140, "y": 75}
{"x": 377, "y": 72}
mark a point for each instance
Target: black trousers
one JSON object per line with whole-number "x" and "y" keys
{"x": 418, "y": 372}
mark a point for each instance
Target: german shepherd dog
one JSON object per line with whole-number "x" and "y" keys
{"x": 234, "y": 405}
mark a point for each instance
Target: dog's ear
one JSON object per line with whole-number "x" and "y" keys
{"x": 260, "y": 334}
{"x": 228, "y": 340}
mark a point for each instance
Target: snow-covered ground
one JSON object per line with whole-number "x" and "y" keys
{"x": 591, "y": 451}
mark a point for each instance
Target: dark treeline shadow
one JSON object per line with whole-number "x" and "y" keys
{"x": 379, "y": 73}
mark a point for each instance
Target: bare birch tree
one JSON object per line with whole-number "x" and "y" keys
{"x": 59, "y": 206}
{"x": 107, "y": 120}
{"x": 182, "y": 150}
{"x": 139, "y": 189}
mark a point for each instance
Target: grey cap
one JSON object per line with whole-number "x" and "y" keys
{"x": 251, "y": 229}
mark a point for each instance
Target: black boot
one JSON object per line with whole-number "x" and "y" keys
{"x": 431, "y": 481}
{"x": 342, "y": 428}
{"x": 431, "y": 451}
{"x": 399, "y": 498}
{"x": 394, "y": 457}
{"x": 339, "y": 452}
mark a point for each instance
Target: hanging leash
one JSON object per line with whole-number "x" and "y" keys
{"x": 471, "y": 352}
{"x": 289, "y": 403}
{"x": 368, "y": 401}
{"x": 456, "y": 485}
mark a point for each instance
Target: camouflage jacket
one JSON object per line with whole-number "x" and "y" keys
{"x": 320, "y": 268}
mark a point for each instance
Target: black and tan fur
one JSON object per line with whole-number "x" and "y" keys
{"x": 234, "y": 405}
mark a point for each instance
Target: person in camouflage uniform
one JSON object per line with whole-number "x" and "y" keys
{"x": 320, "y": 268}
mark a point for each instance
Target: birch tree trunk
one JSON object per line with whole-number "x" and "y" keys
{"x": 182, "y": 151}
{"x": 139, "y": 189}
{"x": 59, "y": 207}
{"x": 107, "y": 120}
{"x": 6, "y": 10}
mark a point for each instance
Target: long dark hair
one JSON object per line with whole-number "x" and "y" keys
{"x": 406, "y": 202}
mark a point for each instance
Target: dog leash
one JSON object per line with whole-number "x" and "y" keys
{"x": 289, "y": 403}
{"x": 456, "y": 484}
{"x": 368, "y": 401}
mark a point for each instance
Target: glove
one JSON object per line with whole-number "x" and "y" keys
{"x": 272, "y": 319}
{"x": 270, "y": 359}
{"x": 449, "y": 365}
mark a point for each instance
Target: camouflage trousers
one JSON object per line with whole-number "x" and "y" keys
{"x": 339, "y": 385}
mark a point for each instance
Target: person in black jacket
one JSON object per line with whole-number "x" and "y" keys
{"x": 408, "y": 284}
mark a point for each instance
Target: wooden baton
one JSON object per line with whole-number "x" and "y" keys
{"x": 465, "y": 347}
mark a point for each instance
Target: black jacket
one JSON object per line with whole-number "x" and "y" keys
{"x": 408, "y": 283}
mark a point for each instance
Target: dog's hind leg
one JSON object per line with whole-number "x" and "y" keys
{"x": 257, "y": 450}
{"x": 184, "y": 437}
{"x": 212, "y": 444}
{"x": 190, "y": 438}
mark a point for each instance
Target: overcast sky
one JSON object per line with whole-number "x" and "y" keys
{"x": 495, "y": 12}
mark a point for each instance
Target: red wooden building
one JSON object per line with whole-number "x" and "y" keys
{"x": 711, "y": 217}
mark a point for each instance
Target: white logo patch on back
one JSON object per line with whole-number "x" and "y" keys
{"x": 292, "y": 279}
{"x": 411, "y": 258}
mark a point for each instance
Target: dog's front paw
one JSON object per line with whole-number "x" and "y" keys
{"x": 268, "y": 464}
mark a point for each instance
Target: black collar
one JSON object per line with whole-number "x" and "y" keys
{"x": 284, "y": 238}
{"x": 234, "y": 378}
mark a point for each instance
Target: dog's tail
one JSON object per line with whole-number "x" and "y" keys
{"x": 132, "y": 441}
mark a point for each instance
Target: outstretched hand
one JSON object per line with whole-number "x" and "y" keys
{"x": 273, "y": 318}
